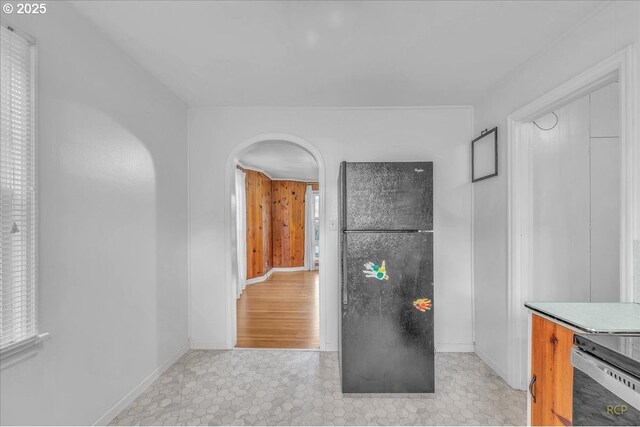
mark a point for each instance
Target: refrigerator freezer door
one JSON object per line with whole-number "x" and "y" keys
{"x": 388, "y": 196}
{"x": 387, "y": 321}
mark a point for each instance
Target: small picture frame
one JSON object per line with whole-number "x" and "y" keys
{"x": 484, "y": 155}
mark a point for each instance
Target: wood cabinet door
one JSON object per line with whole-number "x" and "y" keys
{"x": 551, "y": 364}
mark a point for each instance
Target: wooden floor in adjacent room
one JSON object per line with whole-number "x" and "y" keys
{"x": 281, "y": 312}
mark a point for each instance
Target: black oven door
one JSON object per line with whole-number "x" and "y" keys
{"x": 603, "y": 394}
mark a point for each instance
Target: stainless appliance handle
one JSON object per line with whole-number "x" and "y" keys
{"x": 345, "y": 298}
{"x": 619, "y": 383}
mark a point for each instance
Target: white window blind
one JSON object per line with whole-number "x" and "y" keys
{"x": 18, "y": 296}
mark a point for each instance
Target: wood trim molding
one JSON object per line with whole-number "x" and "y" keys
{"x": 244, "y": 168}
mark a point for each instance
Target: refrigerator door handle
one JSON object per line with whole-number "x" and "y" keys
{"x": 345, "y": 298}
{"x": 344, "y": 295}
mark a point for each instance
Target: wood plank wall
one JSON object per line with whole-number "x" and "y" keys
{"x": 287, "y": 213}
{"x": 275, "y": 223}
{"x": 259, "y": 231}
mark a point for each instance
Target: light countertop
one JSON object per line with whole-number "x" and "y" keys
{"x": 593, "y": 317}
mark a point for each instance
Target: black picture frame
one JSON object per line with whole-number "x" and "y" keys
{"x": 485, "y": 134}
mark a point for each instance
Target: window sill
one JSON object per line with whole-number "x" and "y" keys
{"x": 21, "y": 351}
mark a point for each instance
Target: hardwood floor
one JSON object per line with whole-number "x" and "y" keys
{"x": 282, "y": 312}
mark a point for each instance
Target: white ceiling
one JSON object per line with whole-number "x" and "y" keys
{"x": 332, "y": 54}
{"x": 281, "y": 160}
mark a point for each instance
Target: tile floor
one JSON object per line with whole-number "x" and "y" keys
{"x": 273, "y": 387}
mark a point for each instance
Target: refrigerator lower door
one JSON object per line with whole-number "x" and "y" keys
{"x": 387, "y": 313}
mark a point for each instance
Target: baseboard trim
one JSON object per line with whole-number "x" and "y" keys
{"x": 454, "y": 348}
{"x": 140, "y": 388}
{"x": 440, "y": 348}
{"x": 286, "y": 269}
{"x": 273, "y": 270}
{"x": 315, "y": 350}
{"x": 493, "y": 365}
{"x": 204, "y": 345}
{"x": 262, "y": 278}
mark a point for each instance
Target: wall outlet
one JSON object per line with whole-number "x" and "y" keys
{"x": 333, "y": 224}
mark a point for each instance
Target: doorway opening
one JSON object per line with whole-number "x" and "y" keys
{"x": 548, "y": 201}
{"x": 277, "y": 208}
{"x": 575, "y": 200}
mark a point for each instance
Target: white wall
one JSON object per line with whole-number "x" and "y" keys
{"x": 442, "y": 135}
{"x": 613, "y": 28}
{"x": 560, "y": 193}
{"x": 113, "y": 227}
{"x": 604, "y": 145}
{"x": 576, "y": 201}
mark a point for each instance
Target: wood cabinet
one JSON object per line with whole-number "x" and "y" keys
{"x": 551, "y": 382}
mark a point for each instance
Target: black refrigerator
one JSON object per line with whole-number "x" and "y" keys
{"x": 386, "y": 277}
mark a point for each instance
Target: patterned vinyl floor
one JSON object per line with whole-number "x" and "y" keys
{"x": 274, "y": 387}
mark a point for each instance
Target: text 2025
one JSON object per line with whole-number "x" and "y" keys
{"x": 31, "y": 8}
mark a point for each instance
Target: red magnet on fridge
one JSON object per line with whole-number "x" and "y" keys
{"x": 423, "y": 304}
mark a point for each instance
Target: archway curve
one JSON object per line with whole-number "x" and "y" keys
{"x": 229, "y": 220}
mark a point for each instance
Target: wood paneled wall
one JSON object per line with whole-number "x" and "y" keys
{"x": 275, "y": 223}
{"x": 287, "y": 213}
{"x": 259, "y": 232}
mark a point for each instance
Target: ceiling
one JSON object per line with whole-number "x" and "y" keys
{"x": 332, "y": 53}
{"x": 281, "y": 160}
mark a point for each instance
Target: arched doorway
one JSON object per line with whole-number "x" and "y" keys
{"x": 230, "y": 222}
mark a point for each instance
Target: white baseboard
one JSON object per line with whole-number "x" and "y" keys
{"x": 440, "y": 348}
{"x": 204, "y": 345}
{"x": 285, "y": 269}
{"x": 454, "y": 348}
{"x": 331, "y": 347}
{"x": 316, "y": 350}
{"x": 262, "y": 278}
{"x": 270, "y": 272}
{"x": 140, "y": 388}
{"x": 493, "y": 365}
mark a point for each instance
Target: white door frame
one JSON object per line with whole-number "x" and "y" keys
{"x": 620, "y": 67}
{"x": 229, "y": 231}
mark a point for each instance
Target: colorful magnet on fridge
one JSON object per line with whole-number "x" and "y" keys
{"x": 423, "y": 304}
{"x": 376, "y": 271}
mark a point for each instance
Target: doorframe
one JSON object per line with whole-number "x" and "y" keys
{"x": 621, "y": 67}
{"x": 320, "y": 220}
{"x": 231, "y": 329}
